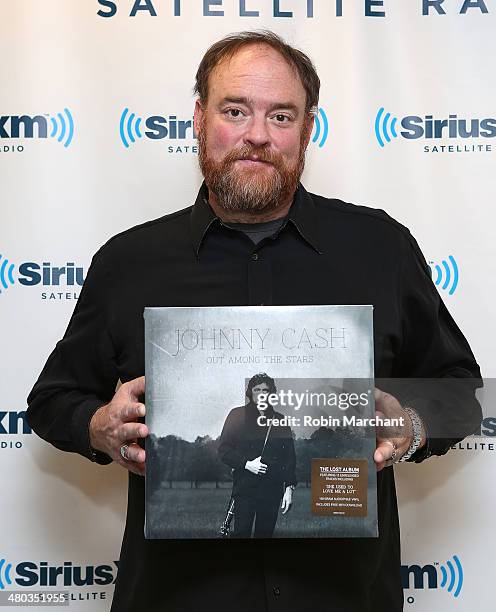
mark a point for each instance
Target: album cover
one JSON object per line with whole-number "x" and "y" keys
{"x": 262, "y": 422}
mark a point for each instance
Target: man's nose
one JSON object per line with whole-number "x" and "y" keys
{"x": 257, "y": 133}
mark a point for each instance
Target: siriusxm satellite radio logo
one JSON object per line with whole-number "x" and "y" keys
{"x": 31, "y": 273}
{"x": 13, "y": 423}
{"x": 5, "y": 573}
{"x": 286, "y": 9}
{"x": 447, "y": 576}
{"x": 58, "y": 126}
{"x": 40, "y": 574}
{"x": 320, "y": 128}
{"x": 388, "y": 128}
{"x": 158, "y": 127}
{"x": 180, "y": 133}
{"x": 445, "y": 275}
{"x": 209, "y": 8}
{"x": 481, "y": 440}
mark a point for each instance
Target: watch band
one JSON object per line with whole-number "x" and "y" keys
{"x": 417, "y": 433}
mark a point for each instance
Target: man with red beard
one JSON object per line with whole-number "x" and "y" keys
{"x": 254, "y": 236}
{"x": 254, "y": 119}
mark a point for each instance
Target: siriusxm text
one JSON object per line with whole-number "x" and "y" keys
{"x": 415, "y": 127}
{"x": 29, "y": 573}
{"x": 13, "y": 422}
{"x": 31, "y": 273}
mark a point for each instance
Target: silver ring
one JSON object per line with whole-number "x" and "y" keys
{"x": 394, "y": 454}
{"x": 124, "y": 450}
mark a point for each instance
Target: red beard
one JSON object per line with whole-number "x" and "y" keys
{"x": 261, "y": 188}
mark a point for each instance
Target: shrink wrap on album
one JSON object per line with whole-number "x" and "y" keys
{"x": 261, "y": 422}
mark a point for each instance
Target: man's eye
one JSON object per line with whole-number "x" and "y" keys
{"x": 280, "y": 118}
{"x": 234, "y": 112}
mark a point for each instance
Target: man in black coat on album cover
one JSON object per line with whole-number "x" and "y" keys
{"x": 263, "y": 461}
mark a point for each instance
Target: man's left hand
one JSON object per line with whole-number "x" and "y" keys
{"x": 391, "y": 438}
{"x": 287, "y": 500}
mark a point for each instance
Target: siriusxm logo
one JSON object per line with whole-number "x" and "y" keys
{"x": 14, "y": 423}
{"x": 5, "y": 573}
{"x": 59, "y": 126}
{"x": 488, "y": 427}
{"x": 296, "y": 9}
{"x": 214, "y": 8}
{"x": 6, "y": 273}
{"x": 482, "y": 439}
{"x": 387, "y": 128}
{"x": 320, "y": 128}
{"x": 30, "y": 274}
{"x": 42, "y": 574}
{"x": 445, "y": 275}
{"x": 447, "y": 576}
{"x": 157, "y": 127}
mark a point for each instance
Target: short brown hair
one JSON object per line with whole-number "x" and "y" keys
{"x": 232, "y": 43}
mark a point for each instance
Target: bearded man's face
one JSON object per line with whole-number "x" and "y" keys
{"x": 253, "y": 131}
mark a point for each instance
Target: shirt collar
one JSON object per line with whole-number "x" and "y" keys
{"x": 201, "y": 219}
{"x": 302, "y": 214}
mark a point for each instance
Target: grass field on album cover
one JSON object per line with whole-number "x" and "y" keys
{"x": 199, "y": 513}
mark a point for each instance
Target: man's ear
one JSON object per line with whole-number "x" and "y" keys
{"x": 198, "y": 116}
{"x": 309, "y": 122}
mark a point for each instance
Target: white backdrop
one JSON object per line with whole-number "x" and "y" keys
{"x": 65, "y": 194}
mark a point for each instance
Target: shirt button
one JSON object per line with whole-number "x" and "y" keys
{"x": 277, "y": 591}
{"x": 254, "y": 256}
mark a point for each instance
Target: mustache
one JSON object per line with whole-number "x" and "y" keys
{"x": 249, "y": 152}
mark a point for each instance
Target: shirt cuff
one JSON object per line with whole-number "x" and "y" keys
{"x": 80, "y": 432}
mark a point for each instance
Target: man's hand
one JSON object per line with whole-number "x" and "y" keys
{"x": 116, "y": 424}
{"x": 388, "y": 407}
{"x": 287, "y": 500}
{"x": 255, "y": 466}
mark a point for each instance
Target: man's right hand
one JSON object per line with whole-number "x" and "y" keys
{"x": 116, "y": 424}
{"x": 255, "y": 466}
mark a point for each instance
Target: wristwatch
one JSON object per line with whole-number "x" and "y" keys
{"x": 417, "y": 434}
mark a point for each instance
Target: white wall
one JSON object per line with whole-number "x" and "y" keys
{"x": 59, "y": 204}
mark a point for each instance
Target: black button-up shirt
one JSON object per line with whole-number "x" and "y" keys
{"x": 326, "y": 252}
